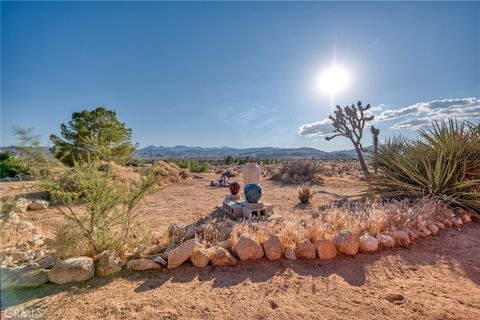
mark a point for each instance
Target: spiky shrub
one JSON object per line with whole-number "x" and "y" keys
{"x": 443, "y": 163}
{"x": 305, "y": 193}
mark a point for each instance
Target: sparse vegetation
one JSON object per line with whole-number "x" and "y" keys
{"x": 301, "y": 171}
{"x": 194, "y": 166}
{"x": 305, "y": 193}
{"x": 444, "y": 164}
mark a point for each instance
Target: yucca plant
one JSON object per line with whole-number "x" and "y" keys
{"x": 443, "y": 163}
{"x": 305, "y": 193}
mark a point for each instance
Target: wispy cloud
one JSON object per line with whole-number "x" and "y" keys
{"x": 258, "y": 116}
{"x": 412, "y": 117}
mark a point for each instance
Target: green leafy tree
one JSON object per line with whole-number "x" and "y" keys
{"x": 10, "y": 166}
{"x": 95, "y": 134}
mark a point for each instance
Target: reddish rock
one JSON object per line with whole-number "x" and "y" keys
{"x": 306, "y": 250}
{"x": 326, "y": 249}
{"x": 347, "y": 242}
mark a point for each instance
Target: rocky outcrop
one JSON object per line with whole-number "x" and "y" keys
{"x": 181, "y": 253}
{"x": 273, "y": 248}
{"x": 108, "y": 263}
{"x": 326, "y": 249}
{"x": 306, "y": 250}
{"x": 72, "y": 270}
{"x": 347, "y": 242}
{"x": 368, "y": 243}
{"x": 248, "y": 248}
{"x": 221, "y": 257}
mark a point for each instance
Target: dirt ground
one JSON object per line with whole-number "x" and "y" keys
{"x": 436, "y": 278}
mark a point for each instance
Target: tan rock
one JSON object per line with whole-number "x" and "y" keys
{"x": 290, "y": 253}
{"x": 426, "y": 232}
{"x": 326, "y": 249}
{"x": 447, "y": 223}
{"x": 401, "y": 238}
{"x": 38, "y": 205}
{"x": 71, "y": 270}
{"x": 306, "y": 250}
{"x": 412, "y": 235}
{"x": 181, "y": 253}
{"x": 273, "y": 248}
{"x": 385, "y": 241}
{"x": 108, "y": 263}
{"x": 248, "y": 248}
{"x": 347, "y": 242}
{"x": 457, "y": 221}
{"x": 221, "y": 257}
{"x": 142, "y": 264}
{"x": 433, "y": 228}
{"x": 440, "y": 225}
{"x": 368, "y": 243}
{"x": 200, "y": 257}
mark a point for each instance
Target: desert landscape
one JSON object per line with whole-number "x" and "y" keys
{"x": 226, "y": 160}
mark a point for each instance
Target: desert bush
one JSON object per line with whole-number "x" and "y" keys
{"x": 69, "y": 241}
{"x": 300, "y": 171}
{"x": 194, "y": 166}
{"x": 10, "y": 166}
{"x": 443, "y": 164}
{"x": 101, "y": 205}
{"x": 305, "y": 193}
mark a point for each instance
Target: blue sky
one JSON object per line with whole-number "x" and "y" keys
{"x": 236, "y": 74}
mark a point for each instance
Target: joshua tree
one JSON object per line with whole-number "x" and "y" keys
{"x": 375, "y": 134}
{"x": 349, "y": 122}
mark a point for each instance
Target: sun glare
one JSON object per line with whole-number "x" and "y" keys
{"x": 333, "y": 80}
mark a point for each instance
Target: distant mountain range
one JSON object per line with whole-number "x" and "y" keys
{"x": 154, "y": 152}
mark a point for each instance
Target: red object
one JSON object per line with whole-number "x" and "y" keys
{"x": 234, "y": 188}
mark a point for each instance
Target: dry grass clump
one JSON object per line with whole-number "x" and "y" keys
{"x": 300, "y": 171}
{"x": 167, "y": 172}
{"x": 305, "y": 193}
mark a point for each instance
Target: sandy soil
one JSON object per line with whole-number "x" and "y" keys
{"x": 437, "y": 278}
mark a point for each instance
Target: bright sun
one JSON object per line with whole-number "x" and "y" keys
{"x": 333, "y": 80}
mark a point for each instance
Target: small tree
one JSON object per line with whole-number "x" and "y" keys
{"x": 375, "y": 133}
{"x": 349, "y": 122}
{"x": 95, "y": 134}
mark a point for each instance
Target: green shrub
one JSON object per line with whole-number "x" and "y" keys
{"x": 194, "y": 166}
{"x": 10, "y": 166}
{"x": 444, "y": 163}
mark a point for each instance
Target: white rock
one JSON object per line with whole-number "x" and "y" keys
{"x": 347, "y": 242}
{"x": 221, "y": 257}
{"x": 200, "y": 257}
{"x": 72, "y": 269}
{"x": 368, "y": 243}
{"x": 273, "y": 248}
{"x": 108, "y": 263}
{"x": 142, "y": 264}
{"x": 181, "y": 253}
{"x": 38, "y": 205}
{"x": 248, "y": 248}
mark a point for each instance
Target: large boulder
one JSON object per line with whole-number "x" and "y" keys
{"x": 108, "y": 263}
{"x": 221, "y": 257}
{"x": 200, "y": 257}
{"x": 248, "y": 248}
{"x": 181, "y": 253}
{"x": 368, "y": 243}
{"x": 326, "y": 249}
{"x": 71, "y": 270}
{"x": 273, "y": 247}
{"x": 347, "y": 242}
{"x": 142, "y": 264}
{"x": 22, "y": 277}
{"x": 38, "y": 205}
{"x": 306, "y": 250}
{"x": 385, "y": 241}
